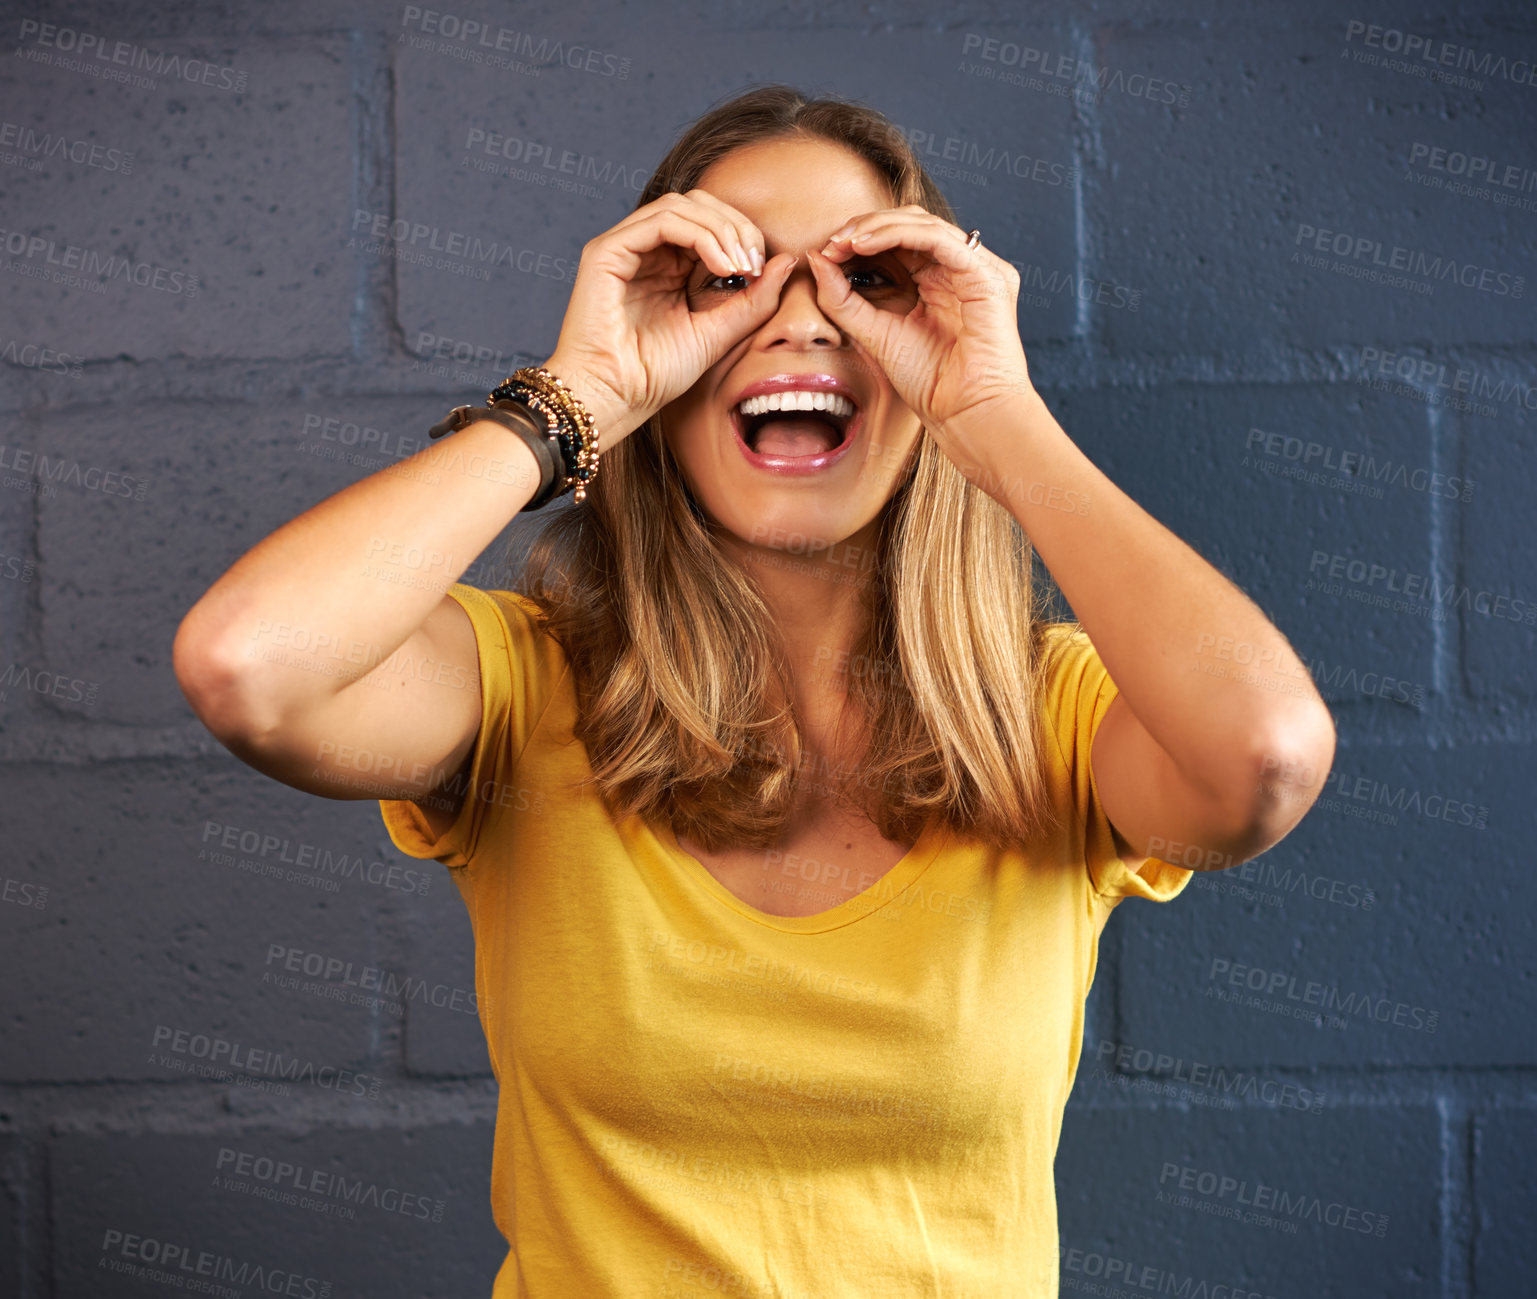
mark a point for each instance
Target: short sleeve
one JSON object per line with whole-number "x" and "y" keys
{"x": 1078, "y": 693}
{"x": 520, "y": 668}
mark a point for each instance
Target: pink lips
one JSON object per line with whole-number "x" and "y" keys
{"x": 794, "y": 465}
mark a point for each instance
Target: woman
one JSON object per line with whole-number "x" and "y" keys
{"x": 786, "y": 828}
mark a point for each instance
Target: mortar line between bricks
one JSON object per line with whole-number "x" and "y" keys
{"x": 1440, "y": 631}
{"x": 1466, "y": 1166}
{"x": 1086, "y": 121}
{"x": 44, "y": 1263}
{"x": 376, "y": 334}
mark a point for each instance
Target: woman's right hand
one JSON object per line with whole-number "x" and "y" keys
{"x": 630, "y": 342}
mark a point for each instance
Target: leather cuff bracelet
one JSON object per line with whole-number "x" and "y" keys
{"x": 532, "y": 426}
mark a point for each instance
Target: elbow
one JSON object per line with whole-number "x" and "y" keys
{"x": 216, "y": 679}
{"x": 1290, "y": 769}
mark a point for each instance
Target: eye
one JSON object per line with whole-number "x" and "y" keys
{"x": 863, "y": 275}
{"x": 880, "y": 281}
{"x": 711, "y": 283}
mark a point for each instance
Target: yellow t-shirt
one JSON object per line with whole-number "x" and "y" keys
{"x": 698, "y": 1098}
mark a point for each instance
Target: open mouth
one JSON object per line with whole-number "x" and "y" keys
{"x": 794, "y": 425}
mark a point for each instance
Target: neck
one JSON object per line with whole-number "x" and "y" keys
{"x": 817, "y": 602}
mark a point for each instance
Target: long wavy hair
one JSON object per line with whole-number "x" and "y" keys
{"x": 682, "y": 683}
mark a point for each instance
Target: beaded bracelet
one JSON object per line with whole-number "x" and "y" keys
{"x": 571, "y": 422}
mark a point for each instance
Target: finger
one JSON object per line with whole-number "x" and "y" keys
{"x": 924, "y": 233}
{"x": 847, "y": 309}
{"x": 743, "y": 312}
{"x": 749, "y": 238}
{"x": 729, "y": 225}
{"x": 669, "y": 226}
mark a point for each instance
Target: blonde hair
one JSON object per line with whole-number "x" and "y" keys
{"x": 684, "y": 704}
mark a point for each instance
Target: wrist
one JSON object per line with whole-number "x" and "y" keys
{"x": 613, "y": 417}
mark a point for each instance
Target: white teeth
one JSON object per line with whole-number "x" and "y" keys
{"x": 832, "y": 402}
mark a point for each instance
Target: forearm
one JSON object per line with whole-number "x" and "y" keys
{"x": 328, "y": 596}
{"x": 1154, "y": 610}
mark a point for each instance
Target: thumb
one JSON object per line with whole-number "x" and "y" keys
{"x": 745, "y": 311}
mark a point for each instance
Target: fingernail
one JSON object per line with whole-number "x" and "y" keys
{"x": 757, "y": 262}
{"x": 842, "y": 233}
{"x": 739, "y": 254}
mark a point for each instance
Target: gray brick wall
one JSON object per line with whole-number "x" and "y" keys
{"x": 1200, "y": 244}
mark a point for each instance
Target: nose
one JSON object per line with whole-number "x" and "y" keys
{"x": 800, "y": 322}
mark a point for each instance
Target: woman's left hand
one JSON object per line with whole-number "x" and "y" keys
{"x": 955, "y": 358}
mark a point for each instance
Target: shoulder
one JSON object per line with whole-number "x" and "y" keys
{"x": 1075, "y": 689}
{"x": 512, "y": 631}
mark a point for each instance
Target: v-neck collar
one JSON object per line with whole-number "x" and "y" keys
{"x": 917, "y": 860}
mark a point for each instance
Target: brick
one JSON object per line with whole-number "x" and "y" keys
{"x": 1112, "y": 1164}
{"x": 18, "y": 582}
{"x": 118, "y": 574}
{"x": 1493, "y": 545}
{"x": 1451, "y": 912}
{"x": 1204, "y": 202}
{"x": 138, "y": 934}
{"x": 217, "y": 1194}
{"x": 12, "y": 1181}
{"x": 240, "y": 191}
{"x": 1505, "y": 1199}
{"x": 1208, "y": 462}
